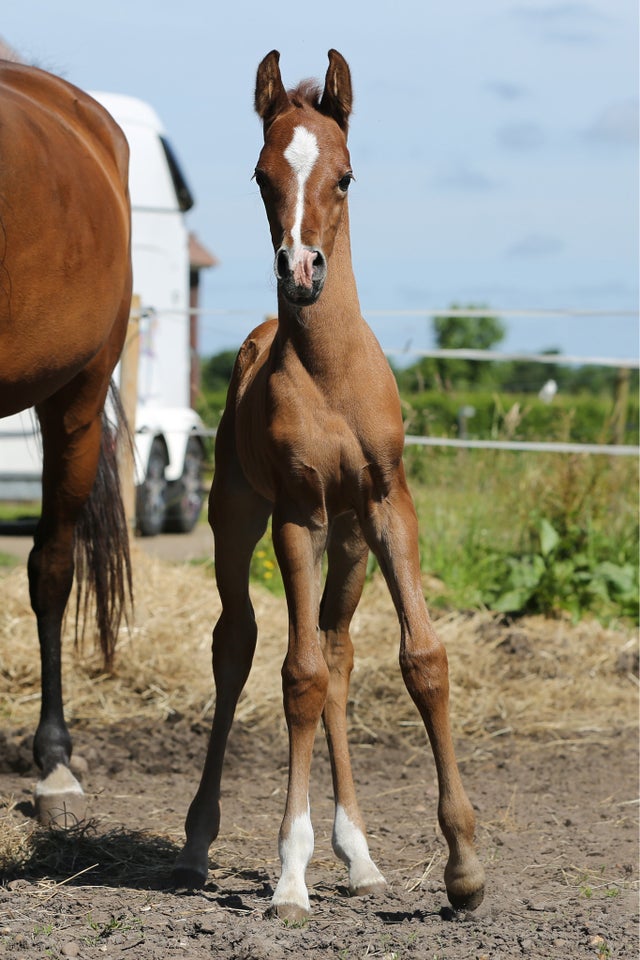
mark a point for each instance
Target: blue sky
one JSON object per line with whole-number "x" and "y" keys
{"x": 495, "y": 147}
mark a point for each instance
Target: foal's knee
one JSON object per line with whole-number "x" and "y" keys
{"x": 305, "y": 680}
{"x": 425, "y": 670}
{"x": 338, "y": 652}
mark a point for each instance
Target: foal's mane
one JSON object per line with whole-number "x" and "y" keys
{"x": 307, "y": 93}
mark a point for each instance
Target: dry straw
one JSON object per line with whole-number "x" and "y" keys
{"x": 544, "y": 680}
{"x": 533, "y": 678}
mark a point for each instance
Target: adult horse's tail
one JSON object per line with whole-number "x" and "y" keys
{"x": 102, "y": 558}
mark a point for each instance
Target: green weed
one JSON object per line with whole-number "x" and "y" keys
{"x": 102, "y": 931}
{"x": 603, "y": 950}
{"x": 264, "y": 566}
{"x": 296, "y": 924}
{"x": 530, "y": 533}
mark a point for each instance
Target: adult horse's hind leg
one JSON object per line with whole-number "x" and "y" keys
{"x": 71, "y": 438}
{"x": 392, "y": 532}
{"x": 238, "y": 518}
{"x": 347, "y": 555}
{"x": 59, "y": 796}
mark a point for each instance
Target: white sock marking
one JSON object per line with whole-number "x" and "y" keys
{"x": 350, "y": 844}
{"x": 295, "y": 853}
{"x": 301, "y": 155}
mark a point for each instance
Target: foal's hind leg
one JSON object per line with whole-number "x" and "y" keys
{"x": 238, "y": 518}
{"x": 347, "y": 553}
{"x": 392, "y": 531}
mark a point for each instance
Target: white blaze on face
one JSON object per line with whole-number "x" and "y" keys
{"x": 301, "y": 154}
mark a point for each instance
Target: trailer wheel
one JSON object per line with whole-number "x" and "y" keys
{"x": 151, "y": 495}
{"x": 186, "y": 495}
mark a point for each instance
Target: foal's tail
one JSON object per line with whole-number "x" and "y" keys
{"x": 101, "y": 552}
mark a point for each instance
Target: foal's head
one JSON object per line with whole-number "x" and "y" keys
{"x": 303, "y": 172}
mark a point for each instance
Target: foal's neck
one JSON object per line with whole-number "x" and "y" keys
{"x": 324, "y": 335}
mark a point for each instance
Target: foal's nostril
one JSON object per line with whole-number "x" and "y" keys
{"x": 319, "y": 264}
{"x": 304, "y": 269}
{"x": 283, "y": 264}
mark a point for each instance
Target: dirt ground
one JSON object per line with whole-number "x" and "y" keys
{"x": 557, "y": 833}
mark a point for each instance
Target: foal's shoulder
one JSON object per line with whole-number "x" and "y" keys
{"x": 255, "y": 346}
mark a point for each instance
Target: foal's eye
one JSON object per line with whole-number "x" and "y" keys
{"x": 260, "y": 178}
{"x": 344, "y": 182}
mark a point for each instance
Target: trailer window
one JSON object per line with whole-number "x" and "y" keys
{"x": 180, "y": 185}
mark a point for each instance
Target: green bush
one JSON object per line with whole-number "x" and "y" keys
{"x": 578, "y": 419}
{"x": 582, "y": 412}
{"x": 210, "y": 406}
{"x": 529, "y": 533}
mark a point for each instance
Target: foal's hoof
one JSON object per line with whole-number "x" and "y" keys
{"x": 288, "y": 912}
{"x": 186, "y": 878}
{"x": 468, "y": 901}
{"x": 368, "y": 889}
{"x": 59, "y": 800}
{"x": 465, "y": 889}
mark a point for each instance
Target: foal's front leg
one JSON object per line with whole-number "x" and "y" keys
{"x": 299, "y": 551}
{"x": 347, "y": 552}
{"x": 238, "y": 518}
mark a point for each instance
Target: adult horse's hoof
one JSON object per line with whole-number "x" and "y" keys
{"x": 191, "y": 868}
{"x": 59, "y": 799}
{"x": 186, "y": 878}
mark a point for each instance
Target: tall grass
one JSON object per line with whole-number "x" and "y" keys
{"x": 527, "y": 533}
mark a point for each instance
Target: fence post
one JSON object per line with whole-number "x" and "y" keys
{"x": 620, "y": 403}
{"x": 129, "y": 398}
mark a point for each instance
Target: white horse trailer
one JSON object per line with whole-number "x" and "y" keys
{"x": 169, "y": 434}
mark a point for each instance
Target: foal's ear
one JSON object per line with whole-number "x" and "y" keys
{"x": 270, "y": 97}
{"x": 337, "y": 99}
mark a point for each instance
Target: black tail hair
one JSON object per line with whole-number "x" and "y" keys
{"x": 101, "y": 548}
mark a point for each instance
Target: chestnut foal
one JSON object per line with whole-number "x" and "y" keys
{"x": 312, "y": 434}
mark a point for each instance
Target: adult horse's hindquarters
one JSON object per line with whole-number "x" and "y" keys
{"x": 65, "y": 292}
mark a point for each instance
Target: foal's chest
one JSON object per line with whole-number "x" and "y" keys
{"x": 328, "y": 451}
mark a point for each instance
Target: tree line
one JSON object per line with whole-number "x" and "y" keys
{"x": 456, "y": 330}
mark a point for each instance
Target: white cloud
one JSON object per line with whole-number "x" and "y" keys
{"x": 507, "y": 90}
{"x": 536, "y": 246}
{"x": 563, "y": 22}
{"x": 521, "y": 135}
{"x": 463, "y": 177}
{"x": 617, "y": 123}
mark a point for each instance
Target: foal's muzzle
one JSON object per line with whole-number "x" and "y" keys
{"x": 300, "y": 273}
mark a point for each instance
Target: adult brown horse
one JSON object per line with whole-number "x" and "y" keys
{"x": 312, "y": 433}
{"x": 65, "y": 292}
